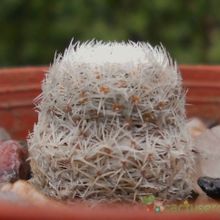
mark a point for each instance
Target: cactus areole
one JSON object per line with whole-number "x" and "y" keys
{"x": 111, "y": 125}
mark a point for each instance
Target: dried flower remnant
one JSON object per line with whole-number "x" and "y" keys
{"x": 135, "y": 100}
{"x": 104, "y": 89}
{"x": 117, "y": 107}
{"x": 114, "y": 128}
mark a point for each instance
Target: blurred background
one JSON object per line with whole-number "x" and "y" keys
{"x": 32, "y": 30}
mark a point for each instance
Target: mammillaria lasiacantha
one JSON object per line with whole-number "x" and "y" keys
{"x": 111, "y": 125}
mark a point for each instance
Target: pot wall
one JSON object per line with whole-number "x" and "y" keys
{"x": 19, "y": 86}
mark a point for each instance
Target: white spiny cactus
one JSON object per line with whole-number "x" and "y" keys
{"x": 111, "y": 125}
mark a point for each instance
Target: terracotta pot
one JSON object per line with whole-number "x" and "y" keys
{"x": 79, "y": 212}
{"x": 18, "y": 88}
{"x": 203, "y": 91}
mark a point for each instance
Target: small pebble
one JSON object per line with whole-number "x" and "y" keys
{"x": 4, "y": 135}
{"x": 13, "y": 165}
{"x": 211, "y": 186}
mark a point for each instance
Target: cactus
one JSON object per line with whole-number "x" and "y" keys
{"x": 111, "y": 125}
